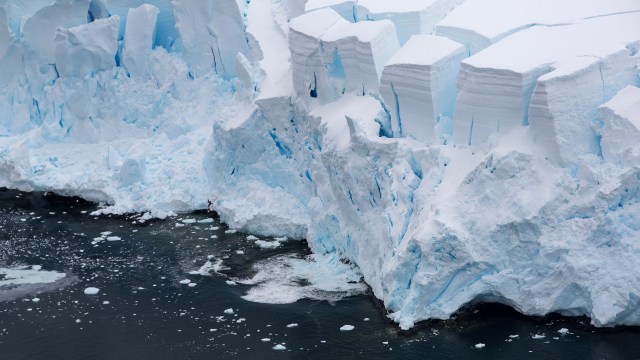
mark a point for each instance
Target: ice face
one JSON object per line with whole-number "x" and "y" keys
{"x": 139, "y": 39}
{"x": 620, "y": 129}
{"x": 212, "y": 32}
{"x": 87, "y": 49}
{"x": 497, "y": 85}
{"x": 419, "y": 86}
{"x": 316, "y": 125}
{"x": 334, "y": 56}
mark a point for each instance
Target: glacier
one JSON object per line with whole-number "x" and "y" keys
{"x": 455, "y": 151}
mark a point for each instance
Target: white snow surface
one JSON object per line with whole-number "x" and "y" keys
{"x": 514, "y": 178}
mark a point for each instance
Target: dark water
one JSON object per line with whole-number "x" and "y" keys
{"x": 143, "y": 312}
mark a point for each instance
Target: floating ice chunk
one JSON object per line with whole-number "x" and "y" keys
{"x": 280, "y": 238}
{"x": 267, "y": 244}
{"x": 265, "y": 339}
{"x": 252, "y": 237}
{"x": 230, "y": 231}
{"x": 229, "y": 311}
{"x": 418, "y": 85}
{"x": 538, "y": 336}
{"x": 292, "y": 325}
{"x": 105, "y": 233}
{"x": 230, "y": 282}
{"x": 205, "y": 221}
{"x": 479, "y": 345}
{"x": 28, "y": 275}
{"x": 188, "y": 221}
{"x": 87, "y": 49}
{"x": 185, "y": 281}
{"x": 192, "y": 284}
{"x": 239, "y": 252}
{"x": 514, "y": 336}
{"x": 114, "y": 238}
{"x": 139, "y": 37}
{"x": 563, "y": 331}
{"x": 194, "y": 272}
{"x": 91, "y": 291}
{"x": 35, "y": 299}
{"x": 277, "y": 280}
{"x": 347, "y": 327}
{"x": 279, "y": 347}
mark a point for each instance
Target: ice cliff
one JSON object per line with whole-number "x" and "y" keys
{"x": 455, "y": 151}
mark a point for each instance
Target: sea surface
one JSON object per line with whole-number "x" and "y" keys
{"x": 52, "y": 250}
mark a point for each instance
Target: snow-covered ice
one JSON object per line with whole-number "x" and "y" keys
{"x": 285, "y": 122}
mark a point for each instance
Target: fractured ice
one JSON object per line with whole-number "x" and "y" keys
{"x": 451, "y": 151}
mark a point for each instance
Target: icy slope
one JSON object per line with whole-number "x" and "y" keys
{"x": 320, "y": 125}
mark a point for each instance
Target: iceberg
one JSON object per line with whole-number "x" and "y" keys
{"x": 449, "y": 154}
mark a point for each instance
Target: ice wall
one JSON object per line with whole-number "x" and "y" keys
{"x": 87, "y": 49}
{"x": 212, "y": 33}
{"x": 419, "y": 86}
{"x": 332, "y": 56}
{"x": 496, "y": 85}
{"x": 620, "y": 128}
{"x": 139, "y": 38}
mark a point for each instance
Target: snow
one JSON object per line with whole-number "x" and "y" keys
{"x": 410, "y": 17}
{"x": 518, "y": 184}
{"x": 468, "y": 23}
{"x": 91, "y": 291}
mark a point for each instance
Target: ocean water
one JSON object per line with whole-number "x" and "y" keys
{"x": 52, "y": 249}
